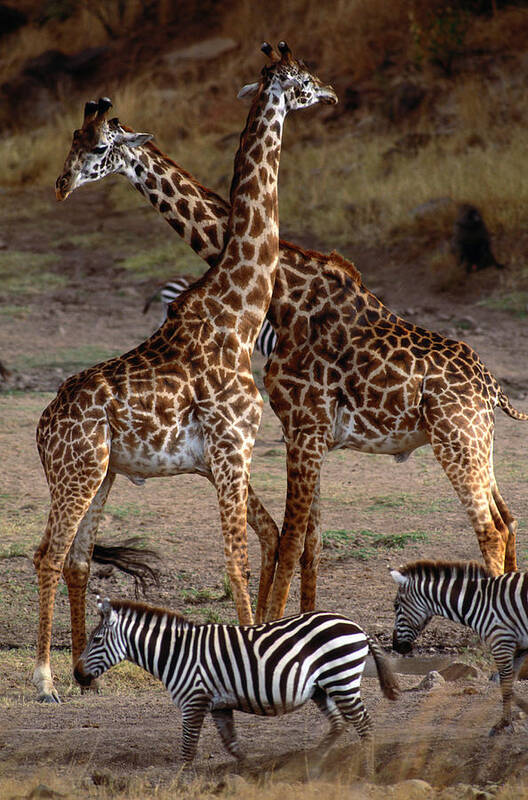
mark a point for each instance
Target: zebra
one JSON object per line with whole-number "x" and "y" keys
{"x": 496, "y": 608}
{"x": 266, "y": 339}
{"x": 267, "y": 669}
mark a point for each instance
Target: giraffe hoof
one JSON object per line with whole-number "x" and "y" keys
{"x": 49, "y": 697}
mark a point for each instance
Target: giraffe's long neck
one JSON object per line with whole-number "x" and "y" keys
{"x": 197, "y": 214}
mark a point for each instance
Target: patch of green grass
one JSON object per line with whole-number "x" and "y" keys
{"x": 515, "y": 303}
{"x": 24, "y": 272}
{"x": 198, "y": 596}
{"x": 13, "y": 551}
{"x": 14, "y": 311}
{"x": 163, "y": 261}
{"x": 124, "y": 511}
{"x": 388, "y": 502}
{"x": 365, "y": 544}
{"x": 70, "y": 359}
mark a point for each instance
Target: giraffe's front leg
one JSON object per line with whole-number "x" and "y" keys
{"x": 231, "y": 481}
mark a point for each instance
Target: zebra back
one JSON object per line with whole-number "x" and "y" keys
{"x": 266, "y": 339}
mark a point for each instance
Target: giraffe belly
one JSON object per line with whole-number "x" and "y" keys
{"x": 170, "y": 452}
{"x": 361, "y": 433}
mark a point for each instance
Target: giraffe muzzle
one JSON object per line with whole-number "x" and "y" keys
{"x": 328, "y": 96}
{"x": 62, "y": 187}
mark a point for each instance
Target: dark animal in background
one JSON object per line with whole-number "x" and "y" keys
{"x": 471, "y": 241}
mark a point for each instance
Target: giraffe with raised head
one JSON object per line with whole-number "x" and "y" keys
{"x": 185, "y": 399}
{"x": 346, "y": 371}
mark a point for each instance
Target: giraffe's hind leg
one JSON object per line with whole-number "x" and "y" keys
{"x": 312, "y": 553}
{"x": 76, "y": 568}
{"x": 268, "y": 534}
{"x": 72, "y": 491}
{"x": 466, "y": 459}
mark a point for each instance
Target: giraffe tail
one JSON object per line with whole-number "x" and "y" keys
{"x": 127, "y": 557}
{"x": 387, "y": 679}
{"x": 504, "y": 403}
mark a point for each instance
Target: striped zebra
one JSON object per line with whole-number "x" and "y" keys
{"x": 266, "y": 339}
{"x": 496, "y": 608}
{"x": 267, "y": 669}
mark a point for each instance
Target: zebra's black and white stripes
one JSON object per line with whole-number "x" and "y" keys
{"x": 267, "y": 669}
{"x": 266, "y": 339}
{"x": 496, "y": 608}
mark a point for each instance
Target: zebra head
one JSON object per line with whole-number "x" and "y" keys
{"x": 96, "y": 148}
{"x": 412, "y": 613}
{"x": 106, "y": 646}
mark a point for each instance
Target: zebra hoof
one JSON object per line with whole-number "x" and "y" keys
{"x": 501, "y": 727}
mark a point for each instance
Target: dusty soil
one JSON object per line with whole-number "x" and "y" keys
{"x": 376, "y": 513}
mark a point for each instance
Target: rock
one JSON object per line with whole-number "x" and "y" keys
{"x": 432, "y": 206}
{"x": 202, "y": 51}
{"x": 412, "y": 789}
{"x": 433, "y": 680}
{"x": 458, "y": 670}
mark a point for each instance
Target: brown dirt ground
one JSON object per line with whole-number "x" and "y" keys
{"x": 439, "y": 735}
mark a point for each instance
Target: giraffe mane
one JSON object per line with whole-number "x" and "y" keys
{"x": 328, "y": 260}
{"x": 438, "y": 568}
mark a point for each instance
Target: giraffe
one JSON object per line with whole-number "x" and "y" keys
{"x": 185, "y": 399}
{"x": 346, "y": 371}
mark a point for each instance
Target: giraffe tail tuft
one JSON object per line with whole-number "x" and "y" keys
{"x": 131, "y": 559}
{"x": 387, "y": 679}
{"x": 504, "y": 403}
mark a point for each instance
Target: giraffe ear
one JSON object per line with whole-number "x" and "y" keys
{"x": 249, "y": 90}
{"x": 400, "y": 579}
{"x": 133, "y": 139}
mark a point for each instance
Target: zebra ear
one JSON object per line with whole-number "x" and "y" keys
{"x": 400, "y": 579}
{"x": 107, "y": 612}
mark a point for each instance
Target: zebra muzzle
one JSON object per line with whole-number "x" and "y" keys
{"x": 80, "y": 675}
{"x": 401, "y": 647}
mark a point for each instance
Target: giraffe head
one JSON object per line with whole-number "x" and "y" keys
{"x": 301, "y": 88}
{"x": 96, "y": 148}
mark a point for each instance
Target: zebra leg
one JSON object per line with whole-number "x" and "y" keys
{"x": 330, "y": 710}
{"x": 193, "y": 715}
{"x": 504, "y": 661}
{"x": 354, "y": 711}
{"x": 519, "y": 669}
{"x": 223, "y": 719}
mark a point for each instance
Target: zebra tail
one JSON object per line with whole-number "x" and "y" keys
{"x": 387, "y": 679}
{"x": 507, "y": 407}
{"x": 150, "y": 299}
{"x": 127, "y": 557}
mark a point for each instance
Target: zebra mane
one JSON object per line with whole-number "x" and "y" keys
{"x": 145, "y": 608}
{"x": 437, "y": 569}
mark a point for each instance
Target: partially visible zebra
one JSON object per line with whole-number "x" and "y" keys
{"x": 268, "y": 669}
{"x": 494, "y": 607}
{"x": 266, "y": 340}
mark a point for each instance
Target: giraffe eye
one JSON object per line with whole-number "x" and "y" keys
{"x": 101, "y": 149}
